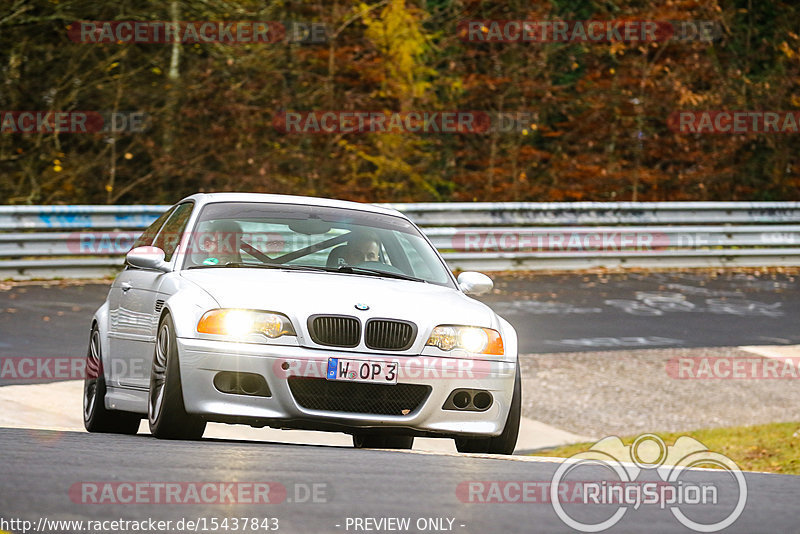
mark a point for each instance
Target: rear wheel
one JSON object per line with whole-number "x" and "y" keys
{"x": 96, "y": 417}
{"x": 505, "y": 442}
{"x": 166, "y": 411}
{"x": 378, "y": 441}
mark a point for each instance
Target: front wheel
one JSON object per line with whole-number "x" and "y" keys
{"x": 166, "y": 411}
{"x": 96, "y": 417}
{"x": 505, "y": 442}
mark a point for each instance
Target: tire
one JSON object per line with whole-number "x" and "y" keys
{"x": 378, "y": 441}
{"x": 96, "y": 417}
{"x": 505, "y": 442}
{"x": 166, "y": 411}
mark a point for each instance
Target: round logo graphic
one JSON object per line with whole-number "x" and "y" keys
{"x": 362, "y": 307}
{"x": 648, "y": 453}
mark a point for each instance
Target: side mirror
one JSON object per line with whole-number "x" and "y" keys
{"x": 147, "y": 258}
{"x": 474, "y": 284}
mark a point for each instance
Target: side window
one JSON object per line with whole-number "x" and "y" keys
{"x": 146, "y": 239}
{"x": 172, "y": 232}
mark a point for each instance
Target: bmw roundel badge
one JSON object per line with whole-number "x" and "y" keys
{"x": 362, "y": 307}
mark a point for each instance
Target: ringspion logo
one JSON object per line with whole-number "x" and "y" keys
{"x": 573, "y": 492}
{"x": 649, "y": 454}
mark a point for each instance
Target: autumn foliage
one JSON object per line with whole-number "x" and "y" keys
{"x": 596, "y": 113}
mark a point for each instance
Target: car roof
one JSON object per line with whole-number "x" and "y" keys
{"x": 210, "y": 198}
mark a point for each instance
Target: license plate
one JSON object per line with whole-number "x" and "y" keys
{"x": 384, "y": 372}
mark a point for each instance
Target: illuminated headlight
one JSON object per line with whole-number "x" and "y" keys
{"x": 240, "y": 323}
{"x": 469, "y": 338}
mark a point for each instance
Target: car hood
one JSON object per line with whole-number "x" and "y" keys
{"x": 300, "y": 294}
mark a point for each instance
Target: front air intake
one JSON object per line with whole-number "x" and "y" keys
{"x": 387, "y": 334}
{"x": 236, "y": 383}
{"x": 358, "y": 397}
{"x": 334, "y": 330}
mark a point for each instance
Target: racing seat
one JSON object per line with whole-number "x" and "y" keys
{"x": 339, "y": 256}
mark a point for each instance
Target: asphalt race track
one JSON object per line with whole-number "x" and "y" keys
{"x": 350, "y": 483}
{"x": 51, "y": 475}
{"x": 570, "y": 313}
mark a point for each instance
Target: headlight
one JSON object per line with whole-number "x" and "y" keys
{"x": 239, "y": 323}
{"x": 469, "y": 338}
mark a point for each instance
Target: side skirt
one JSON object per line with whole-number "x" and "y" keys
{"x": 126, "y": 399}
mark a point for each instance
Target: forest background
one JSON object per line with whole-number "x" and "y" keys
{"x": 598, "y": 112}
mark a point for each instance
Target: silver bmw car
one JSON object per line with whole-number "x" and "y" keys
{"x": 299, "y": 312}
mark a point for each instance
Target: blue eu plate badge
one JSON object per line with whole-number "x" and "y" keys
{"x": 333, "y": 364}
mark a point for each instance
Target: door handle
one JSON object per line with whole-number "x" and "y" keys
{"x": 126, "y": 286}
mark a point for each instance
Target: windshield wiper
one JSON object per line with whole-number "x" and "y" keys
{"x": 261, "y": 266}
{"x": 375, "y": 272}
{"x": 347, "y": 269}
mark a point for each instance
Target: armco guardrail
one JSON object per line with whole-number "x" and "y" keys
{"x": 87, "y": 241}
{"x": 599, "y": 213}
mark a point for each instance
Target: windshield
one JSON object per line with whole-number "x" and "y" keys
{"x": 292, "y": 236}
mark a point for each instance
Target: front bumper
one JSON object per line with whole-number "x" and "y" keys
{"x": 200, "y": 360}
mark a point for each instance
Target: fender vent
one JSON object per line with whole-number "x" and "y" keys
{"x": 159, "y": 306}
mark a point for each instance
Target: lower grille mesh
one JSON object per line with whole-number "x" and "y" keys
{"x": 378, "y": 399}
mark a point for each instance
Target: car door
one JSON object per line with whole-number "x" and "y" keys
{"x": 144, "y": 301}
{"x": 121, "y": 323}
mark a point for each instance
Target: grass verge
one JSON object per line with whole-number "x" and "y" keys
{"x": 772, "y": 448}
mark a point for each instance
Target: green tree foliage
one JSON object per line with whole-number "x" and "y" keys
{"x": 596, "y": 127}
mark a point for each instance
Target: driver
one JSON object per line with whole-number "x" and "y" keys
{"x": 363, "y": 247}
{"x": 222, "y": 245}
